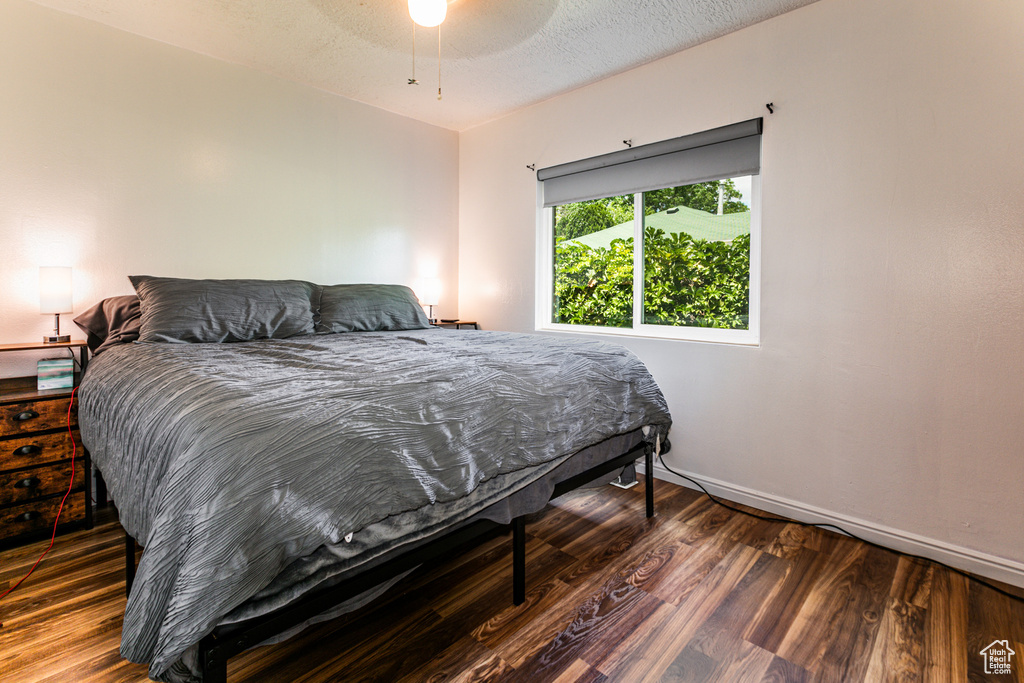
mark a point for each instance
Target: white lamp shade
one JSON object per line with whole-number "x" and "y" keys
{"x": 429, "y": 291}
{"x": 428, "y": 13}
{"x": 54, "y": 289}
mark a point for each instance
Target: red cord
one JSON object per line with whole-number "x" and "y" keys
{"x": 59, "y": 509}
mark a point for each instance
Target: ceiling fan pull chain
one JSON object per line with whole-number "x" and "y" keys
{"x": 438, "y": 61}
{"x": 413, "y": 81}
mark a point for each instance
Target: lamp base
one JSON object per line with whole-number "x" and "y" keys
{"x": 58, "y": 339}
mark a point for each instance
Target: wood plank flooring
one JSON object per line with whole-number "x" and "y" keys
{"x": 698, "y": 593}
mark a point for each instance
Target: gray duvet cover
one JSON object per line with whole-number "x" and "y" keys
{"x": 230, "y": 463}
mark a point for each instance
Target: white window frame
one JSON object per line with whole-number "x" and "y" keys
{"x": 545, "y": 284}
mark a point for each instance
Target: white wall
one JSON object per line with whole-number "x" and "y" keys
{"x": 888, "y": 391}
{"x": 120, "y": 155}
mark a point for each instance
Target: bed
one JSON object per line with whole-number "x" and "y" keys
{"x": 279, "y": 446}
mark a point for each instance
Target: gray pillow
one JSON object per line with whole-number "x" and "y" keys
{"x": 115, "y": 320}
{"x": 365, "y": 308}
{"x": 180, "y": 310}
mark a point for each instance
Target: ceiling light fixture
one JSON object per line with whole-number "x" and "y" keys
{"x": 428, "y": 14}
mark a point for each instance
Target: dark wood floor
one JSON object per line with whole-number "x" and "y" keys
{"x": 696, "y": 594}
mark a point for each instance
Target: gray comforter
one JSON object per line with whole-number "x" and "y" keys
{"x": 230, "y": 462}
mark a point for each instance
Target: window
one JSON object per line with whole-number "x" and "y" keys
{"x": 626, "y": 248}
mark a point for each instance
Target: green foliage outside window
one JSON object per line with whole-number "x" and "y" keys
{"x": 594, "y": 286}
{"x": 582, "y": 218}
{"x": 696, "y": 283}
{"x": 687, "y": 282}
{"x": 703, "y": 196}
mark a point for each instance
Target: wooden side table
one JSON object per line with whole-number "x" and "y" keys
{"x": 35, "y": 456}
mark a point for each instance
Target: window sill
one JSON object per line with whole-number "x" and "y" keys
{"x": 684, "y": 334}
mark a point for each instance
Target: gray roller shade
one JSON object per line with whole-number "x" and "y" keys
{"x": 724, "y": 152}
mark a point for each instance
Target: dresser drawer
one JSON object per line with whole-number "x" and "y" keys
{"x": 39, "y": 515}
{"x": 30, "y": 451}
{"x": 25, "y": 485}
{"x": 26, "y": 417}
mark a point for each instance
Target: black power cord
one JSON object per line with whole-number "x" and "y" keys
{"x": 825, "y": 525}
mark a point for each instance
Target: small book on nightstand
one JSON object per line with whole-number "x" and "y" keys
{"x": 55, "y": 373}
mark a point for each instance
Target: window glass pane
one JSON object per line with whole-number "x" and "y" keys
{"x": 697, "y": 255}
{"x": 593, "y": 268}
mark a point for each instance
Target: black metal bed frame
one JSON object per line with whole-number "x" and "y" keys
{"x": 229, "y": 640}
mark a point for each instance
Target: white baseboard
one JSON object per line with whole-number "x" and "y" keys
{"x": 976, "y": 562}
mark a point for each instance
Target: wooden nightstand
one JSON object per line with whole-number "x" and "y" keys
{"x": 35, "y": 457}
{"x": 456, "y": 323}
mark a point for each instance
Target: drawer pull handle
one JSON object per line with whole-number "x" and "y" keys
{"x": 27, "y": 516}
{"x": 27, "y": 415}
{"x": 28, "y": 483}
{"x": 30, "y": 449}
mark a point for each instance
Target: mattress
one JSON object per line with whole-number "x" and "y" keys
{"x": 234, "y": 464}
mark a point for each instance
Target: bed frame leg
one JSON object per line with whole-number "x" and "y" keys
{"x": 518, "y": 560}
{"x": 649, "y": 478}
{"x": 101, "y": 489}
{"x": 212, "y": 661}
{"x": 129, "y": 564}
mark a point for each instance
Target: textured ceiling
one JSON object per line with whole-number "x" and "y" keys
{"x": 497, "y": 55}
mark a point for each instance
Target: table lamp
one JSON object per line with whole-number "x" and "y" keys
{"x": 429, "y": 294}
{"x": 55, "y": 298}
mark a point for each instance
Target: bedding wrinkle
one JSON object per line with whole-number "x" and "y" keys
{"x": 236, "y": 465}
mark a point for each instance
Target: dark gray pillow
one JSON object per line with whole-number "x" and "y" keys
{"x": 115, "y": 320}
{"x": 180, "y": 310}
{"x": 365, "y": 308}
